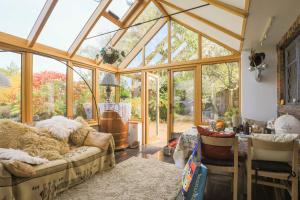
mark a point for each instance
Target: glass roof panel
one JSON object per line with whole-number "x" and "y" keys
{"x": 136, "y": 62}
{"x": 66, "y": 22}
{"x": 156, "y": 51}
{"x": 18, "y": 17}
{"x": 184, "y": 43}
{"x": 91, "y": 47}
{"x": 212, "y": 49}
{"x": 134, "y": 34}
{"x": 120, "y": 7}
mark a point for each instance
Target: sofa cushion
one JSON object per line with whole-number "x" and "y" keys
{"x": 212, "y": 151}
{"x": 84, "y": 162}
{"x": 272, "y": 155}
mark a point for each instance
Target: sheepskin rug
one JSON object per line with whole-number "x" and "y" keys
{"x": 133, "y": 179}
{"x": 16, "y": 154}
{"x": 60, "y": 127}
{"x": 36, "y": 142}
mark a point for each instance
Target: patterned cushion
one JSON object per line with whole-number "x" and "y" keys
{"x": 84, "y": 162}
{"x": 82, "y": 155}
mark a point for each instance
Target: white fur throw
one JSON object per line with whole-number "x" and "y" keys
{"x": 15, "y": 154}
{"x": 59, "y": 126}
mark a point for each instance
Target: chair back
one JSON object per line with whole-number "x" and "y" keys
{"x": 223, "y": 142}
{"x": 272, "y": 150}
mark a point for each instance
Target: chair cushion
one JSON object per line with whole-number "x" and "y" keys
{"x": 212, "y": 151}
{"x": 218, "y": 162}
{"x": 271, "y": 166}
{"x": 271, "y": 155}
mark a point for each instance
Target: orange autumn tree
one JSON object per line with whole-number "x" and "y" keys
{"x": 49, "y": 94}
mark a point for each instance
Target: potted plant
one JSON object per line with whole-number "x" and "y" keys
{"x": 111, "y": 55}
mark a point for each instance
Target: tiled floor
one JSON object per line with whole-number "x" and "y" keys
{"x": 218, "y": 186}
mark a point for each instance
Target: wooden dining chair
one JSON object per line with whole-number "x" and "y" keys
{"x": 283, "y": 175}
{"x": 223, "y": 166}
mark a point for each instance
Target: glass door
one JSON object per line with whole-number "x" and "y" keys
{"x": 152, "y": 130}
{"x": 182, "y": 100}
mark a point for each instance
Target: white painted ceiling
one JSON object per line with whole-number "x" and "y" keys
{"x": 284, "y": 12}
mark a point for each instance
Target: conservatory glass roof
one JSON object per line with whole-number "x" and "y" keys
{"x": 80, "y": 28}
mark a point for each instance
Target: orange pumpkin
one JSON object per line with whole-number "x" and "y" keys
{"x": 220, "y": 125}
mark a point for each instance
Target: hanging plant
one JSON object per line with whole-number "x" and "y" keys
{"x": 111, "y": 55}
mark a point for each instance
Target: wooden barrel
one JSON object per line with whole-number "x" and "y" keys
{"x": 111, "y": 122}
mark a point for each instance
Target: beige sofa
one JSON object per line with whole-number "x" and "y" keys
{"x": 57, "y": 176}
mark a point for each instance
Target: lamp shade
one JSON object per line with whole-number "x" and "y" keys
{"x": 4, "y": 81}
{"x": 109, "y": 80}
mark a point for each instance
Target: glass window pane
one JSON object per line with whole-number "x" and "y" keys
{"x": 130, "y": 93}
{"x": 183, "y": 100}
{"x": 119, "y": 7}
{"x": 18, "y": 17}
{"x": 91, "y": 47}
{"x": 102, "y": 89}
{"x": 49, "y": 88}
{"x": 10, "y": 86}
{"x": 184, "y": 43}
{"x": 156, "y": 51}
{"x": 220, "y": 91}
{"x": 134, "y": 34}
{"x": 212, "y": 49}
{"x": 82, "y": 96}
{"x": 66, "y": 22}
{"x": 136, "y": 62}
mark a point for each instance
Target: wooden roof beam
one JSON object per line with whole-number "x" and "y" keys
{"x": 112, "y": 19}
{"x": 160, "y": 7}
{"x": 41, "y": 21}
{"x": 88, "y": 26}
{"x": 227, "y": 7}
{"x": 203, "y": 20}
{"x": 147, "y": 37}
{"x": 15, "y": 43}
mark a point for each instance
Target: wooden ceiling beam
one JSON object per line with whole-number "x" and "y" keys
{"x": 41, "y": 21}
{"x": 227, "y": 7}
{"x": 18, "y": 44}
{"x": 203, "y": 20}
{"x": 147, "y": 37}
{"x": 247, "y": 6}
{"x": 160, "y": 7}
{"x": 112, "y": 19}
{"x": 88, "y": 26}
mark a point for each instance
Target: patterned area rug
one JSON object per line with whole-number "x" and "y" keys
{"x": 133, "y": 179}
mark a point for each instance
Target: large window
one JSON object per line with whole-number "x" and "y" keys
{"x": 212, "y": 49}
{"x": 82, "y": 97}
{"x": 136, "y": 62}
{"x": 10, "y": 85}
{"x": 65, "y": 22}
{"x": 134, "y": 34}
{"x": 119, "y": 7}
{"x": 184, "y": 43}
{"x": 131, "y": 93}
{"x": 49, "y": 88}
{"x": 94, "y": 43}
{"x": 220, "y": 91}
{"x": 18, "y": 17}
{"x": 156, "y": 51}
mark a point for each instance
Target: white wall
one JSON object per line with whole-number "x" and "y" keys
{"x": 259, "y": 99}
